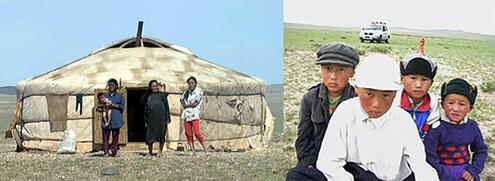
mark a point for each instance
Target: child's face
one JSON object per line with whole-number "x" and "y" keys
{"x": 456, "y": 107}
{"x": 416, "y": 86}
{"x": 375, "y": 102}
{"x": 102, "y": 98}
{"x": 335, "y": 77}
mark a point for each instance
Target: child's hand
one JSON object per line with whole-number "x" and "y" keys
{"x": 467, "y": 176}
{"x": 106, "y": 124}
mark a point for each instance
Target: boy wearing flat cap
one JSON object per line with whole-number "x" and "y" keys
{"x": 337, "y": 61}
{"x": 417, "y": 73}
{"x": 381, "y": 139}
{"x": 447, "y": 145}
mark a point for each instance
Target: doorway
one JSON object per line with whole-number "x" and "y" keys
{"x": 135, "y": 116}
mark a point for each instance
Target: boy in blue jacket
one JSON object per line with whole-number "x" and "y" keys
{"x": 417, "y": 74}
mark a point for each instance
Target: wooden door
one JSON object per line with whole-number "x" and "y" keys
{"x": 97, "y": 133}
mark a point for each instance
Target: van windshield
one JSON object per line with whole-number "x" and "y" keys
{"x": 373, "y": 27}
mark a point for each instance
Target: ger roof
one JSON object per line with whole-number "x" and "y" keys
{"x": 136, "y": 66}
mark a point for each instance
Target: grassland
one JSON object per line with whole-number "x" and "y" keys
{"x": 274, "y": 99}
{"x": 7, "y": 108}
{"x": 264, "y": 164}
{"x": 471, "y": 57}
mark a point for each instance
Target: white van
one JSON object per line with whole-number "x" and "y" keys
{"x": 376, "y": 31}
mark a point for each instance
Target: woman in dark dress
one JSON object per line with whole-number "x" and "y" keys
{"x": 156, "y": 115}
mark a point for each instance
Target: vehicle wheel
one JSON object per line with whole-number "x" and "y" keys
{"x": 388, "y": 40}
{"x": 362, "y": 40}
{"x": 379, "y": 39}
{"x": 372, "y": 40}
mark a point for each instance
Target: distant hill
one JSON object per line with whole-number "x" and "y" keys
{"x": 9, "y": 90}
{"x": 275, "y": 88}
{"x": 275, "y": 98}
{"x": 394, "y": 29}
{"x": 309, "y": 26}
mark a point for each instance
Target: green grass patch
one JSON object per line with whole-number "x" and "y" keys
{"x": 488, "y": 86}
{"x": 7, "y": 108}
{"x": 274, "y": 99}
{"x": 470, "y": 48}
{"x": 6, "y": 119}
{"x": 6, "y": 97}
{"x": 289, "y": 135}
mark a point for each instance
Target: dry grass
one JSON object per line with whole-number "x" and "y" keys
{"x": 267, "y": 164}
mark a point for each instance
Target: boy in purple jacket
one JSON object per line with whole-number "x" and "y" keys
{"x": 447, "y": 145}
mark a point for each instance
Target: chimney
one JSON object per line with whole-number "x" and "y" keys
{"x": 139, "y": 32}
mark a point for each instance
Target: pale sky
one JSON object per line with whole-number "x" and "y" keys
{"x": 39, "y": 36}
{"x": 477, "y": 16}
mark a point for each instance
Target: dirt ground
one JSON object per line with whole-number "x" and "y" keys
{"x": 266, "y": 164}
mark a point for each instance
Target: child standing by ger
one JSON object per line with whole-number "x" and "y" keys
{"x": 447, "y": 145}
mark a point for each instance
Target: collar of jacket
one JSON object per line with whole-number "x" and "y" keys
{"x": 445, "y": 118}
{"x": 322, "y": 95}
{"x": 405, "y": 102}
{"x": 347, "y": 93}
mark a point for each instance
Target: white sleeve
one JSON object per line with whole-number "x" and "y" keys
{"x": 435, "y": 111}
{"x": 415, "y": 152}
{"x": 396, "y": 101}
{"x": 333, "y": 151}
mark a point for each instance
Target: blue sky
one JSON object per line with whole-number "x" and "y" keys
{"x": 38, "y": 36}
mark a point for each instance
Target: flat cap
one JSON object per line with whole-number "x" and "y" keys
{"x": 337, "y": 53}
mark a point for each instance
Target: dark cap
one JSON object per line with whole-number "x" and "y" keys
{"x": 337, "y": 53}
{"x": 459, "y": 86}
{"x": 418, "y": 64}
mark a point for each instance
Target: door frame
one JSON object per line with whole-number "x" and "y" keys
{"x": 97, "y": 130}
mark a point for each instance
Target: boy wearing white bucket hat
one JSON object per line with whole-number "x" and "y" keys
{"x": 382, "y": 140}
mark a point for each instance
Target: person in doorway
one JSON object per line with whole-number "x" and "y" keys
{"x": 116, "y": 120}
{"x": 156, "y": 116}
{"x": 191, "y": 102}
